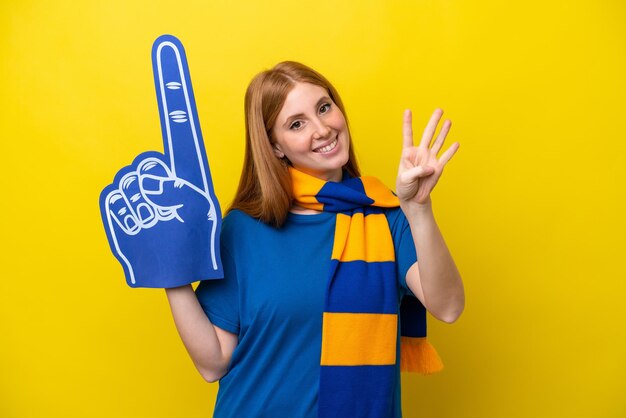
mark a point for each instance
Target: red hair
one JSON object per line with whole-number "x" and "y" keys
{"x": 264, "y": 190}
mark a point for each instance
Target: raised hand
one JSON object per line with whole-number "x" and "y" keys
{"x": 420, "y": 168}
{"x": 160, "y": 214}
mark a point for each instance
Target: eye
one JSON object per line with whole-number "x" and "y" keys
{"x": 325, "y": 108}
{"x": 295, "y": 125}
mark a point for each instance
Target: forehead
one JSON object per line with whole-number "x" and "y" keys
{"x": 301, "y": 98}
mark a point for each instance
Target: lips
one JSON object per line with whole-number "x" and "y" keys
{"x": 327, "y": 147}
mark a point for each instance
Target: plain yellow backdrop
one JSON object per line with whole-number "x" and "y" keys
{"x": 532, "y": 206}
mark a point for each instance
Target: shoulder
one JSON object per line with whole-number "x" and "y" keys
{"x": 395, "y": 217}
{"x": 237, "y": 222}
{"x": 236, "y": 218}
{"x": 239, "y": 228}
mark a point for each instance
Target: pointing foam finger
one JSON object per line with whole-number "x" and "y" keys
{"x": 182, "y": 138}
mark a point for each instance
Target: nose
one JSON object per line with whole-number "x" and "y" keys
{"x": 322, "y": 130}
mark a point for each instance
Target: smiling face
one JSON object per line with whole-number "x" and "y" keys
{"x": 312, "y": 133}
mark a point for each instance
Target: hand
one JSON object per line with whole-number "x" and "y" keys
{"x": 419, "y": 168}
{"x": 160, "y": 214}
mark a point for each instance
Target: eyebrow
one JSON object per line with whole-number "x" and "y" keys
{"x": 299, "y": 115}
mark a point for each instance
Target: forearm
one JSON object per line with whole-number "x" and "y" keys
{"x": 440, "y": 281}
{"x": 197, "y": 332}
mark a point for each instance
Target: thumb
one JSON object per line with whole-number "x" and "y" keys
{"x": 167, "y": 192}
{"x": 412, "y": 174}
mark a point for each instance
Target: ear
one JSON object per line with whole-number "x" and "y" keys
{"x": 277, "y": 151}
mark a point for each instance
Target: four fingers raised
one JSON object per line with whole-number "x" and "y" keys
{"x": 427, "y": 136}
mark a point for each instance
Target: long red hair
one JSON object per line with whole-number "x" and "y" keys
{"x": 264, "y": 190}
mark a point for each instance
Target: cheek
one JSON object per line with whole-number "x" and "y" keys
{"x": 294, "y": 143}
{"x": 340, "y": 121}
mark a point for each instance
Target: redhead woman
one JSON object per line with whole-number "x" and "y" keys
{"x": 323, "y": 301}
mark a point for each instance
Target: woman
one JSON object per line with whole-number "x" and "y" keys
{"x": 305, "y": 322}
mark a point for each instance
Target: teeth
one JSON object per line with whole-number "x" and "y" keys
{"x": 327, "y": 148}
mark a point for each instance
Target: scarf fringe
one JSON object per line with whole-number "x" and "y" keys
{"x": 417, "y": 355}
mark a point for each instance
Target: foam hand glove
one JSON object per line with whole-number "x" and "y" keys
{"x": 160, "y": 213}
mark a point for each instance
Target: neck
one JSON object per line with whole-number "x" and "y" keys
{"x": 299, "y": 210}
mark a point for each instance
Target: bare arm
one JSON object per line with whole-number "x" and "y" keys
{"x": 435, "y": 280}
{"x": 209, "y": 346}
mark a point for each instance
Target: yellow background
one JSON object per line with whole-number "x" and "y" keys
{"x": 531, "y": 206}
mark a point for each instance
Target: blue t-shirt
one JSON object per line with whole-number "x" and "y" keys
{"x": 272, "y": 297}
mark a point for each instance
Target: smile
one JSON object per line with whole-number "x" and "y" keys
{"x": 326, "y": 148}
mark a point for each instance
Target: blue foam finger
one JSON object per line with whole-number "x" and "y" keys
{"x": 182, "y": 137}
{"x": 166, "y": 236}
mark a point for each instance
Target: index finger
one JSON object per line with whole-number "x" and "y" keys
{"x": 182, "y": 138}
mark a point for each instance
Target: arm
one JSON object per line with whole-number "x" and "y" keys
{"x": 209, "y": 346}
{"x": 435, "y": 280}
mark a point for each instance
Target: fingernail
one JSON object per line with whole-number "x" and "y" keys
{"x": 130, "y": 223}
{"x": 145, "y": 214}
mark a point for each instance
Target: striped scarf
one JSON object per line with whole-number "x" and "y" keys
{"x": 360, "y": 322}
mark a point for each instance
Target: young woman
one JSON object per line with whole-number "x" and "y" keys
{"x": 317, "y": 261}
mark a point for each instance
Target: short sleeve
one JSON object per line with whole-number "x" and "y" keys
{"x": 220, "y": 298}
{"x": 403, "y": 242}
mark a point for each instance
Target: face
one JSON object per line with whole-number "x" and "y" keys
{"x": 311, "y": 132}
